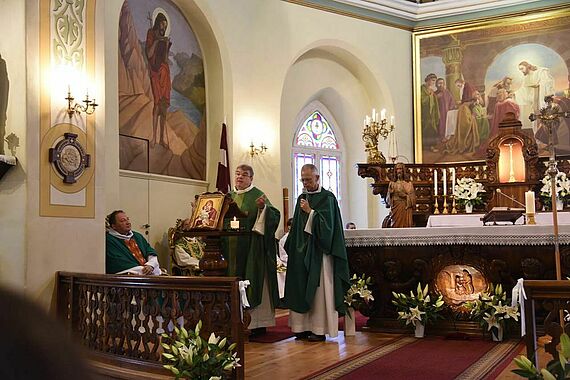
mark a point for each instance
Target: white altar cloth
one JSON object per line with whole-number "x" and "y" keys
{"x": 465, "y": 220}
{"x": 471, "y": 235}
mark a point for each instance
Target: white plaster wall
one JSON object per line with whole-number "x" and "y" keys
{"x": 59, "y": 244}
{"x": 13, "y": 185}
{"x": 264, "y": 38}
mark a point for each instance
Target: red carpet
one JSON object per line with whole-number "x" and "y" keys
{"x": 282, "y": 331}
{"x": 426, "y": 359}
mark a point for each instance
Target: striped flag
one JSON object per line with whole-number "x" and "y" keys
{"x": 223, "y": 180}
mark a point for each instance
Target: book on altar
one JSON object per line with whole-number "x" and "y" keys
{"x": 503, "y": 214}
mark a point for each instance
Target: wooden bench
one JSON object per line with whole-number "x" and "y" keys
{"x": 120, "y": 318}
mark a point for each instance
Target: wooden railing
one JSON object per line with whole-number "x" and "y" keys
{"x": 550, "y": 298}
{"x": 120, "y": 318}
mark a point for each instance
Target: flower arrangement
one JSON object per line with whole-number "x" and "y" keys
{"x": 467, "y": 191}
{"x": 418, "y": 307}
{"x": 492, "y": 310}
{"x": 558, "y": 368}
{"x": 562, "y": 188}
{"x": 358, "y": 293}
{"x": 191, "y": 357}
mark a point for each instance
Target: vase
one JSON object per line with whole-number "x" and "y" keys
{"x": 497, "y": 333}
{"x": 349, "y": 322}
{"x": 559, "y": 204}
{"x": 420, "y": 329}
{"x": 468, "y": 208}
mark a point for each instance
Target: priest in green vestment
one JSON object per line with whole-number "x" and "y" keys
{"x": 317, "y": 271}
{"x": 253, "y": 256}
{"x": 127, "y": 251}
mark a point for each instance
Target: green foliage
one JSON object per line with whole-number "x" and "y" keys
{"x": 418, "y": 307}
{"x": 555, "y": 369}
{"x": 492, "y": 308}
{"x": 192, "y": 357}
{"x": 358, "y": 293}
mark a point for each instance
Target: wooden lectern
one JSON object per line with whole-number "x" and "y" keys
{"x": 207, "y": 223}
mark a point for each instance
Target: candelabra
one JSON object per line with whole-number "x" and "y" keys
{"x": 549, "y": 117}
{"x": 72, "y": 108}
{"x": 373, "y": 129}
{"x": 253, "y": 150}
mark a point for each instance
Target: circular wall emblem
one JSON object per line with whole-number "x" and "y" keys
{"x": 69, "y": 158}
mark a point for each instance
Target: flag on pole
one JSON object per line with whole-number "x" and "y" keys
{"x": 223, "y": 180}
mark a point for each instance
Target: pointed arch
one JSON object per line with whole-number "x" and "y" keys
{"x": 318, "y": 140}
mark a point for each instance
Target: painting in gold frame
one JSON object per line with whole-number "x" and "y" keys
{"x": 208, "y": 211}
{"x": 468, "y": 77}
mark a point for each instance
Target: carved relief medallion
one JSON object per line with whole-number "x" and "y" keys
{"x": 69, "y": 158}
{"x": 459, "y": 284}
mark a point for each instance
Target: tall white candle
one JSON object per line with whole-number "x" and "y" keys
{"x": 435, "y": 182}
{"x": 383, "y": 114}
{"x": 392, "y": 120}
{"x": 529, "y": 201}
{"x": 373, "y": 114}
{"x": 444, "y": 181}
{"x": 452, "y": 180}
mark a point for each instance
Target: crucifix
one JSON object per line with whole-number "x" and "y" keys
{"x": 549, "y": 116}
{"x": 512, "y": 170}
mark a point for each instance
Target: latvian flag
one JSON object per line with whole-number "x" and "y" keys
{"x": 223, "y": 180}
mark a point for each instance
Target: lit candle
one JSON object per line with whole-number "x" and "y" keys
{"x": 444, "y": 182}
{"x": 452, "y": 180}
{"x": 383, "y": 114}
{"x": 392, "y": 120}
{"x": 234, "y": 224}
{"x": 435, "y": 182}
{"x": 529, "y": 201}
{"x": 373, "y": 114}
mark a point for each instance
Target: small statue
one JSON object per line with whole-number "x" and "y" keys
{"x": 401, "y": 198}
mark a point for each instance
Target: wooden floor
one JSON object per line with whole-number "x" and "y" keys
{"x": 294, "y": 359}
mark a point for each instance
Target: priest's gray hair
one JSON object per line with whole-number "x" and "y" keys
{"x": 311, "y": 167}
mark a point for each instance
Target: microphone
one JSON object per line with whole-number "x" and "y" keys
{"x": 509, "y": 197}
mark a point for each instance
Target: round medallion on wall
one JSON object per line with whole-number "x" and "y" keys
{"x": 69, "y": 158}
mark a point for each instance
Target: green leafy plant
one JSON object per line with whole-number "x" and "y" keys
{"x": 192, "y": 357}
{"x": 418, "y": 307}
{"x": 358, "y": 293}
{"x": 492, "y": 309}
{"x": 555, "y": 369}
{"x": 468, "y": 191}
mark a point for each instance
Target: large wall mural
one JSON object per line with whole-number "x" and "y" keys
{"x": 468, "y": 77}
{"x": 162, "y": 97}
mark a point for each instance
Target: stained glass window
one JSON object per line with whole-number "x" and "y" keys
{"x": 315, "y": 143}
{"x": 316, "y": 133}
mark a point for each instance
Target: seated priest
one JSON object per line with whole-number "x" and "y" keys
{"x": 127, "y": 251}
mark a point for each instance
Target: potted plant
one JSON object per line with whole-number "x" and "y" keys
{"x": 357, "y": 295}
{"x": 558, "y": 368}
{"x": 467, "y": 192}
{"x": 192, "y": 357}
{"x": 418, "y": 309}
{"x": 562, "y": 190}
{"x": 491, "y": 310}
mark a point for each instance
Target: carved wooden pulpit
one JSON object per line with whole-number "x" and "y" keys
{"x": 207, "y": 223}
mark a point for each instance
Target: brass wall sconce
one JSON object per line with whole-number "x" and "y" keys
{"x": 253, "y": 150}
{"x": 72, "y": 107}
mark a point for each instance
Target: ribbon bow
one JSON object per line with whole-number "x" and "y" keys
{"x": 242, "y": 286}
{"x": 518, "y": 297}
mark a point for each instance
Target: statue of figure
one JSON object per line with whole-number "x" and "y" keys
{"x": 459, "y": 287}
{"x": 401, "y": 198}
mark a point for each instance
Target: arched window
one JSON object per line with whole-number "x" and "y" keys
{"x": 316, "y": 143}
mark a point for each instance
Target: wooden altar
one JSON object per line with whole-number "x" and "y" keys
{"x": 397, "y": 259}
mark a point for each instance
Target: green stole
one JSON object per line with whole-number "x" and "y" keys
{"x": 118, "y": 257}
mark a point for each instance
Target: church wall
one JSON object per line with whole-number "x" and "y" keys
{"x": 264, "y": 38}
{"x": 59, "y": 243}
{"x": 13, "y": 186}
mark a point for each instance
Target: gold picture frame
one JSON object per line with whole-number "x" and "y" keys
{"x": 208, "y": 211}
{"x": 483, "y": 55}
